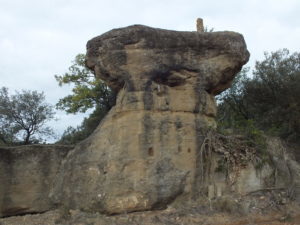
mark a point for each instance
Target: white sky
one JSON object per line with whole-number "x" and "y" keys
{"x": 40, "y": 38}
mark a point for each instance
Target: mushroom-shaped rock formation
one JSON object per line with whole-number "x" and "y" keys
{"x": 145, "y": 153}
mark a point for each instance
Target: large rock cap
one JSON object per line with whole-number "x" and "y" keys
{"x": 134, "y": 55}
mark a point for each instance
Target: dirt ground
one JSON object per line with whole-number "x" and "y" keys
{"x": 170, "y": 216}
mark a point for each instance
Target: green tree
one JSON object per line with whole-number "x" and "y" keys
{"x": 24, "y": 116}
{"x": 87, "y": 93}
{"x": 233, "y": 108}
{"x": 269, "y": 99}
{"x": 274, "y": 93}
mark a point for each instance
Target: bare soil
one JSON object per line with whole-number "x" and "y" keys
{"x": 192, "y": 216}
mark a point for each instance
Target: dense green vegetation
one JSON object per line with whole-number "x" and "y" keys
{"x": 266, "y": 102}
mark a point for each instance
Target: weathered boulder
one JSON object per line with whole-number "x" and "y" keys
{"x": 145, "y": 153}
{"x": 26, "y": 174}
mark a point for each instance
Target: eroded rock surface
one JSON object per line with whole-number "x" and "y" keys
{"x": 26, "y": 175}
{"x": 145, "y": 153}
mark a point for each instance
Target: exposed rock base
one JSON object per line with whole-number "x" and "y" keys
{"x": 189, "y": 215}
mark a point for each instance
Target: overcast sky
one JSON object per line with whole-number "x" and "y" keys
{"x": 40, "y": 38}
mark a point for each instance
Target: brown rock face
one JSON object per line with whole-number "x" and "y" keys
{"x": 26, "y": 175}
{"x": 131, "y": 58}
{"x": 145, "y": 153}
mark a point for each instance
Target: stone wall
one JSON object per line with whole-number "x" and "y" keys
{"x": 26, "y": 175}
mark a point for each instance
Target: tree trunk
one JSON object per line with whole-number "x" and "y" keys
{"x": 26, "y": 141}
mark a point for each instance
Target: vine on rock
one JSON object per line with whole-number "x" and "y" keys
{"x": 235, "y": 152}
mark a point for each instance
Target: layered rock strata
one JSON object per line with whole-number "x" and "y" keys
{"x": 145, "y": 153}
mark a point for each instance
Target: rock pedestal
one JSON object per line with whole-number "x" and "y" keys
{"x": 145, "y": 153}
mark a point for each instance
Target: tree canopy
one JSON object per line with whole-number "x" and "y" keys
{"x": 87, "y": 93}
{"x": 269, "y": 100}
{"x": 23, "y": 117}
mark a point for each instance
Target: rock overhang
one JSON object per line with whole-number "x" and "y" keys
{"x": 143, "y": 53}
